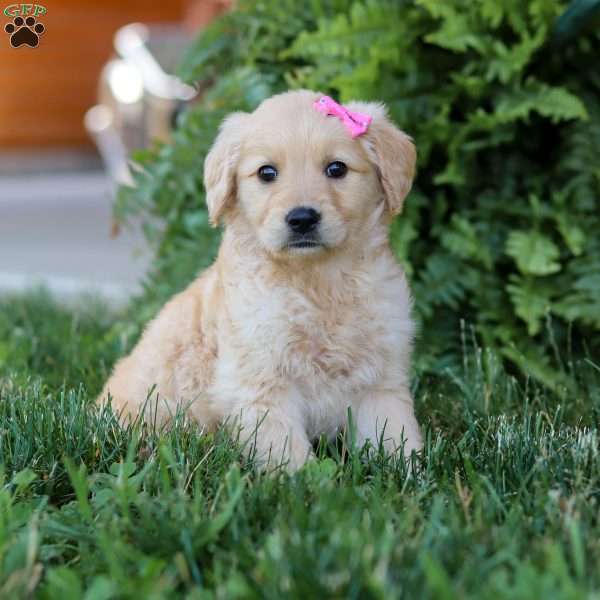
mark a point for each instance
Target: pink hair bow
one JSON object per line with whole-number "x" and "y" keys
{"x": 355, "y": 123}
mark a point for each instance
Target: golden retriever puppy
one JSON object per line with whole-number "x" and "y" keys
{"x": 304, "y": 318}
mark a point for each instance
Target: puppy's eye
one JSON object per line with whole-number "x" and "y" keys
{"x": 336, "y": 169}
{"x": 267, "y": 173}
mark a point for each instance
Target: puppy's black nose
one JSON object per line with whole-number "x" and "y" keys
{"x": 302, "y": 219}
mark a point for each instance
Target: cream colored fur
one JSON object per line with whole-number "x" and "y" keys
{"x": 279, "y": 343}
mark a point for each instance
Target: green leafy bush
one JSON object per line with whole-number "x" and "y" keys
{"x": 502, "y": 229}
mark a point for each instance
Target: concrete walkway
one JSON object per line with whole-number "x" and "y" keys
{"x": 55, "y": 229}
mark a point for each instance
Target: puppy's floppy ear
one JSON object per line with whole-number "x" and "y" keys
{"x": 391, "y": 151}
{"x": 220, "y": 167}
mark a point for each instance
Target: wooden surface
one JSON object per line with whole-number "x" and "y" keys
{"x": 45, "y": 91}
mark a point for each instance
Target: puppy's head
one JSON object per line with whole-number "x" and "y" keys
{"x": 300, "y": 182}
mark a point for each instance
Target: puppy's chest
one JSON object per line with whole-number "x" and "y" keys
{"x": 342, "y": 344}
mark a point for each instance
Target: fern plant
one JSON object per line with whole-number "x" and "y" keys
{"x": 502, "y": 230}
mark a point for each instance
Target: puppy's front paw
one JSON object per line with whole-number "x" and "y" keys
{"x": 389, "y": 419}
{"x": 281, "y": 457}
{"x": 271, "y": 441}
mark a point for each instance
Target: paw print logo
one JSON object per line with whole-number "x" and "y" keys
{"x": 24, "y": 32}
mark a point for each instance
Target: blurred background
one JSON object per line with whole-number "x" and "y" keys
{"x": 104, "y": 127}
{"x": 99, "y": 84}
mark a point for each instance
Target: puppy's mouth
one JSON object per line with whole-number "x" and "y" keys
{"x": 304, "y": 243}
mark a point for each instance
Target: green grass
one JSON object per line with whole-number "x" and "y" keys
{"x": 503, "y": 504}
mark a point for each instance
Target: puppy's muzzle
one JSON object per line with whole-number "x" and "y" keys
{"x": 303, "y": 223}
{"x": 302, "y": 220}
